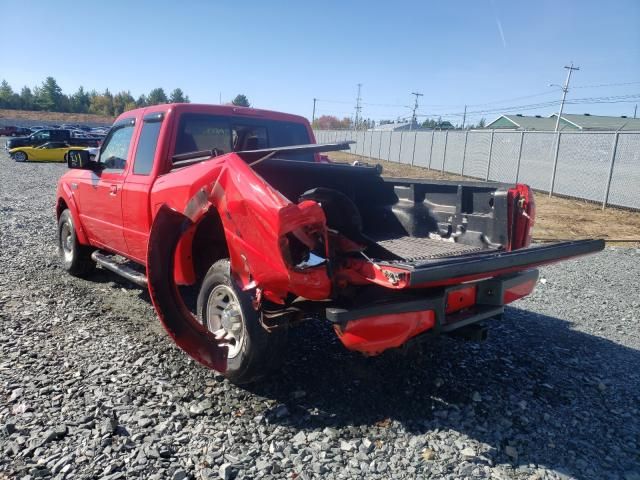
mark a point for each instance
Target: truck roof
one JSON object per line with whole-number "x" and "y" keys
{"x": 226, "y": 110}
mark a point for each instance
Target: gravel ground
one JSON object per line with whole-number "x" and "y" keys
{"x": 92, "y": 387}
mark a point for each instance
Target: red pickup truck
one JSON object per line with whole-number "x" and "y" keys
{"x": 239, "y": 204}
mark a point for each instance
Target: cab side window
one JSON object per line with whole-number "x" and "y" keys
{"x": 147, "y": 144}
{"x": 115, "y": 150}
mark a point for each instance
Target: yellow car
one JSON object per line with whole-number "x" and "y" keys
{"x": 49, "y": 152}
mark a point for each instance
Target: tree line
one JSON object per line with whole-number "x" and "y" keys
{"x": 49, "y": 97}
{"x": 329, "y": 122}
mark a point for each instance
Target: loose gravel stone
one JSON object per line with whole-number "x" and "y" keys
{"x": 91, "y": 386}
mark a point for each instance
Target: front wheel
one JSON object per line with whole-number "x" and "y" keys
{"x": 20, "y": 157}
{"x": 75, "y": 257}
{"x": 228, "y": 313}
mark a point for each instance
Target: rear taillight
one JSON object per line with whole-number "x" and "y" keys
{"x": 521, "y": 216}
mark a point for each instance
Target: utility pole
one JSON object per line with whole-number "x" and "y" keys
{"x": 464, "y": 116}
{"x": 358, "y": 107}
{"x": 415, "y": 107}
{"x": 313, "y": 115}
{"x": 635, "y": 111}
{"x": 565, "y": 89}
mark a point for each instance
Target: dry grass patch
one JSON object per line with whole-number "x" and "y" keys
{"x": 54, "y": 117}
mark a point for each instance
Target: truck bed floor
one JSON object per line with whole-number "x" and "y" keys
{"x": 416, "y": 248}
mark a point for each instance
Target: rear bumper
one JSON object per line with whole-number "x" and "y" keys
{"x": 373, "y": 329}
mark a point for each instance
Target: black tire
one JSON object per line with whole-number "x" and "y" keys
{"x": 75, "y": 258}
{"x": 20, "y": 157}
{"x": 259, "y": 352}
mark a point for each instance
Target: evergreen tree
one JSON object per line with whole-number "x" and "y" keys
{"x": 241, "y": 101}
{"x": 26, "y": 99}
{"x": 156, "y": 97}
{"x": 80, "y": 101}
{"x": 177, "y": 96}
{"x": 6, "y": 95}
{"x": 142, "y": 101}
{"x": 49, "y": 97}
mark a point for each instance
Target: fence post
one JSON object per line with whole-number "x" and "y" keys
{"x": 444, "y": 154}
{"x": 555, "y": 164}
{"x": 613, "y": 160}
{"x": 371, "y": 144}
{"x": 464, "y": 151}
{"x": 490, "y": 152}
{"x": 380, "y": 147}
{"x": 519, "y": 156}
{"x": 400, "y": 147}
{"x": 389, "y": 151}
{"x": 433, "y": 136}
{"x": 413, "y": 155}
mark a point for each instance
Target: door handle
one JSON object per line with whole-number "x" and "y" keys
{"x": 113, "y": 189}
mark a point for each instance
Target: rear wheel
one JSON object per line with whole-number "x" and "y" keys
{"x": 75, "y": 258}
{"x": 228, "y": 313}
{"x": 20, "y": 157}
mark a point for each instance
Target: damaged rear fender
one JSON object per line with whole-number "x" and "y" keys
{"x": 185, "y": 329}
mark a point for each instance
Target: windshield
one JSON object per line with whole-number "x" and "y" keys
{"x": 198, "y": 131}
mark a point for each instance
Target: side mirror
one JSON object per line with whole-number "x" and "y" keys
{"x": 81, "y": 159}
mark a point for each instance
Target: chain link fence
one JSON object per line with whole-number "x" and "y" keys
{"x": 602, "y": 167}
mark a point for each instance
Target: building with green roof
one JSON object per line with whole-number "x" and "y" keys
{"x": 568, "y": 122}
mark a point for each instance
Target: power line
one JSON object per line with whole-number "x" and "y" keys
{"x": 607, "y": 85}
{"x": 535, "y": 106}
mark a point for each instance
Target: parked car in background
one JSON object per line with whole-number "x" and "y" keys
{"x": 8, "y": 131}
{"x": 14, "y": 131}
{"x": 24, "y": 131}
{"x": 49, "y": 152}
{"x": 50, "y": 135}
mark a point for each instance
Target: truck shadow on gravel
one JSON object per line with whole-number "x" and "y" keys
{"x": 536, "y": 392}
{"x": 553, "y": 395}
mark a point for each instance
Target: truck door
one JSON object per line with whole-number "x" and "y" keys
{"x": 136, "y": 216}
{"x": 101, "y": 191}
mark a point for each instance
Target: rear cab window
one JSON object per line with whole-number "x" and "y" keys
{"x": 200, "y": 131}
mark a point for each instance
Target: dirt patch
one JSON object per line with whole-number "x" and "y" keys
{"x": 54, "y": 117}
{"x": 556, "y": 218}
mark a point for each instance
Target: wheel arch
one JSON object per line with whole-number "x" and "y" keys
{"x": 200, "y": 247}
{"x": 66, "y": 202}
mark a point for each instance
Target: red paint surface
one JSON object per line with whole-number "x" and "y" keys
{"x": 373, "y": 335}
{"x": 521, "y": 215}
{"x": 461, "y": 298}
{"x": 518, "y": 291}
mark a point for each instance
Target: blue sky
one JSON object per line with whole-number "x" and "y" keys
{"x": 283, "y": 54}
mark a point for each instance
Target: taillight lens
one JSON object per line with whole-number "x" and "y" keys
{"x": 521, "y": 216}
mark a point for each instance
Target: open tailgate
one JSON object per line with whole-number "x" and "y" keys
{"x": 455, "y": 270}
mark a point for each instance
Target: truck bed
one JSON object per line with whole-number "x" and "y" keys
{"x": 399, "y": 219}
{"x": 411, "y": 249}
